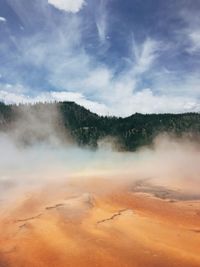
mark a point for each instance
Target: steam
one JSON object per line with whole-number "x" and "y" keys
{"x": 52, "y": 191}
{"x": 36, "y": 155}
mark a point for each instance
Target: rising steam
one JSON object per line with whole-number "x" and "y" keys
{"x": 40, "y": 174}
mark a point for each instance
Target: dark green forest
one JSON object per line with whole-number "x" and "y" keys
{"x": 87, "y": 128}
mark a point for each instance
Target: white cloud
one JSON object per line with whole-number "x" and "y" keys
{"x": 145, "y": 54}
{"x": 16, "y": 98}
{"x": 189, "y": 35}
{"x": 102, "y": 28}
{"x": 17, "y": 88}
{"x": 81, "y": 100}
{"x": 194, "y": 37}
{"x": 170, "y": 83}
{"x": 80, "y": 77}
{"x": 83, "y": 80}
{"x": 2, "y": 19}
{"x": 102, "y": 21}
{"x": 144, "y": 102}
{"x": 73, "y": 6}
{"x": 99, "y": 78}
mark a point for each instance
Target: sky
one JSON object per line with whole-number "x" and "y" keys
{"x": 114, "y": 57}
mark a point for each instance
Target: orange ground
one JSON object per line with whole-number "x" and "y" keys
{"x": 120, "y": 228}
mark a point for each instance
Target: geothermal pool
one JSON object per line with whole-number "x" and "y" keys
{"x": 75, "y": 208}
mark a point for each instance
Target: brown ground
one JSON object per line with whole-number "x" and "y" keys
{"x": 124, "y": 226}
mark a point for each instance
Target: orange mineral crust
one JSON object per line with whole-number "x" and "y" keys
{"x": 124, "y": 227}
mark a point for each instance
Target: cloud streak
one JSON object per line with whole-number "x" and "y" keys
{"x": 102, "y": 21}
{"x": 2, "y": 19}
{"x": 72, "y": 6}
{"x": 57, "y": 62}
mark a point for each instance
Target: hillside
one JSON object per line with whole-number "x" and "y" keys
{"x": 87, "y": 128}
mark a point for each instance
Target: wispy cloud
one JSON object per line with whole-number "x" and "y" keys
{"x": 2, "y": 19}
{"x": 145, "y": 54}
{"x": 73, "y": 6}
{"x": 189, "y": 34}
{"x": 53, "y": 63}
{"x": 78, "y": 77}
{"x": 194, "y": 37}
{"x": 102, "y": 21}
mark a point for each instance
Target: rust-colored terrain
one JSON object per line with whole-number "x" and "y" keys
{"x": 137, "y": 225}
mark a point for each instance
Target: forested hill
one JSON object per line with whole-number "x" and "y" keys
{"x": 87, "y": 128}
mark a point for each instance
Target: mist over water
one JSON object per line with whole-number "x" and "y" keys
{"x": 56, "y": 193}
{"x": 34, "y": 153}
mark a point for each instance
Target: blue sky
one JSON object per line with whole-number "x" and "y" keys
{"x": 115, "y": 57}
